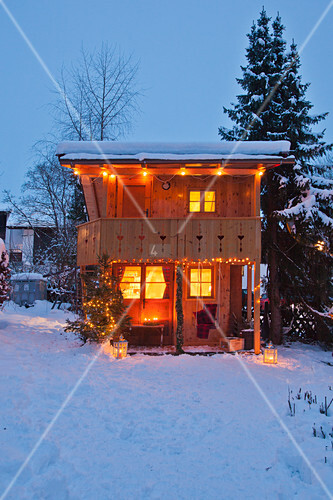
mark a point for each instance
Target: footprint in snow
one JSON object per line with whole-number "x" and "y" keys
{"x": 46, "y": 456}
{"x": 127, "y": 431}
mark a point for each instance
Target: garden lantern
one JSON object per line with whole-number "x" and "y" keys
{"x": 120, "y": 348}
{"x": 270, "y": 354}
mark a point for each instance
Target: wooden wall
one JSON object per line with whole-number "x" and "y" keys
{"x": 234, "y": 195}
{"x": 226, "y": 279}
{"x": 197, "y": 239}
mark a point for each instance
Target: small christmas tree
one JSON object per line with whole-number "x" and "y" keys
{"x": 4, "y": 273}
{"x": 104, "y": 313}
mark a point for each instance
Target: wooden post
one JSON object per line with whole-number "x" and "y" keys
{"x": 179, "y": 311}
{"x": 257, "y": 307}
{"x": 249, "y": 293}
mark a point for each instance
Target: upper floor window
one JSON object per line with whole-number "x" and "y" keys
{"x": 202, "y": 201}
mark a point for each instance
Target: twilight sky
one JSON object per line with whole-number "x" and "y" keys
{"x": 190, "y": 53}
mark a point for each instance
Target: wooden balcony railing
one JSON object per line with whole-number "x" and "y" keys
{"x": 173, "y": 239}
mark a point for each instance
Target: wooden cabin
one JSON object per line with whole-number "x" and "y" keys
{"x": 152, "y": 206}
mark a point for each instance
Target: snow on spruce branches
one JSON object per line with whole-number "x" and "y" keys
{"x": 274, "y": 107}
{"x": 296, "y": 201}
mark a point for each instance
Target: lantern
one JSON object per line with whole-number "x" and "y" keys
{"x": 270, "y": 354}
{"x": 120, "y": 348}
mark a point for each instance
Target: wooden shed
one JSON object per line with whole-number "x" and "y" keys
{"x": 152, "y": 206}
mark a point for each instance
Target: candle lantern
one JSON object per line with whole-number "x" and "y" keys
{"x": 120, "y": 348}
{"x": 270, "y": 354}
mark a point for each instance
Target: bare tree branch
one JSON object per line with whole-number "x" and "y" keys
{"x": 101, "y": 96}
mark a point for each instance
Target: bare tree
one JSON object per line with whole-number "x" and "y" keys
{"x": 98, "y": 101}
{"x": 100, "y": 97}
{"x": 47, "y": 205}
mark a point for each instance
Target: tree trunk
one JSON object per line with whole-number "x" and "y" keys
{"x": 274, "y": 289}
{"x": 273, "y": 265}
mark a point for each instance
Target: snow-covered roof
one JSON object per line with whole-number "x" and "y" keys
{"x": 38, "y": 221}
{"x": 27, "y": 277}
{"x": 192, "y": 151}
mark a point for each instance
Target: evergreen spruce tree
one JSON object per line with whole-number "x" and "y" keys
{"x": 104, "y": 313}
{"x": 274, "y": 107}
{"x": 4, "y": 273}
{"x": 256, "y": 85}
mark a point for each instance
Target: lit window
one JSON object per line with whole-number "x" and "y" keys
{"x": 155, "y": 282}
{"x": 202, "y": 201}
{"x": 201, "y": 282}
{"x": 209, "y": 205}
{"x": 131, "y": 282}
{"x": 195, "y": 201}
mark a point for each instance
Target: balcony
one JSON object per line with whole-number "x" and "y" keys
{"x": 169, "y": 239}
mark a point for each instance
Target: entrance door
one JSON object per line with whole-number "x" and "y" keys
{"x": 134, "y": 201}
{"x": 149, "y": 291}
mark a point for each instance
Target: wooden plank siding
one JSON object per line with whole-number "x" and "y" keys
{"x": 234, "y": 196}
{"x": 195, "y": 239}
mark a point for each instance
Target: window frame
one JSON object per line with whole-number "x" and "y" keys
{"x": 212, "y": 282}
{"x": 143, "y": 279}
{"x": 136, "y": 282}
{"x": 202, "y": 201}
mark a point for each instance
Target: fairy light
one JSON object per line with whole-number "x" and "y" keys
{"x": 182, "y": 171}
{"x": 76, "y": 172}
{"x": 112, "y": 176}
{"x": 105, "y": 173}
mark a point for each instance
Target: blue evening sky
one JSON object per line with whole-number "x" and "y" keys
{"x": 190, "y": 53}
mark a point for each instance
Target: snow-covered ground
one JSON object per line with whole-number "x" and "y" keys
{"x": 187, "y": 427}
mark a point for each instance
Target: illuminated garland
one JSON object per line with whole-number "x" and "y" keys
{"x": 103, "y": 309}
{"x": 185, "y": 261}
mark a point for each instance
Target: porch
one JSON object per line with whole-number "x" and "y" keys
{"x": 143, "y": 239}
{"x": 213, "y": 252}
{"x": 212, "y": 302}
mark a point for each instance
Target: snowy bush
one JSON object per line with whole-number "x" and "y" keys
{"x": 4, "y": 273}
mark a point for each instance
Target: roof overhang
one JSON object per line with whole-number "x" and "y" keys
{"x": 247, "y": 155}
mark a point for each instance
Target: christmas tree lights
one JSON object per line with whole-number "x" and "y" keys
{"x": 103, "y": 311}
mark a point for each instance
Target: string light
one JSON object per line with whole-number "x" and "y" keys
{"x": 182, "y": 171}
{"x": 76, "y": 172}
{"x": 105, "y": 173}
{"x": 185, "y": 261}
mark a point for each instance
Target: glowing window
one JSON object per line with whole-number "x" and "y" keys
{"x": 209, "y": 203}
{"x": 195, "y": 201}
{"x": 131, "y": 282}
{"x": 201, "y": 282}
{"x": 202, "y": 201}
{"x": 155, "y": 282}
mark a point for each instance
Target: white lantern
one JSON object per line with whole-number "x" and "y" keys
{"x": 270, "y": 354}
{"x": 120, "y": 348}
